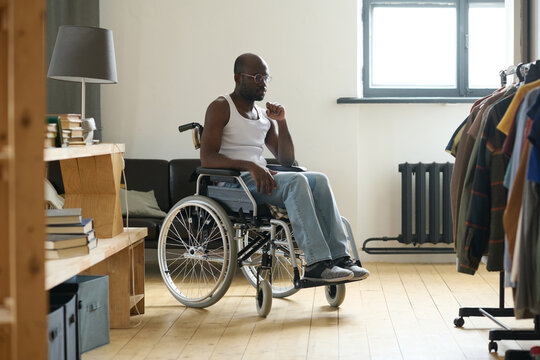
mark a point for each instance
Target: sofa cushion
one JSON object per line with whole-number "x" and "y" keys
{"x": 146, "y": 175}
{"x": 181, "y": 183}
{"x": 140, "y": 204}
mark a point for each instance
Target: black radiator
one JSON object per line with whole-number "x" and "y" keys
{"x": 425, "y": 213}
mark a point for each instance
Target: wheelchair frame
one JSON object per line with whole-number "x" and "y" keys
{"x": 232, "y": 235}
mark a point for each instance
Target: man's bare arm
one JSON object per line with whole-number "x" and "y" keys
{"x": 279, "y": 140}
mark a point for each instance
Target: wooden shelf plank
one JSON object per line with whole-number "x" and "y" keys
{"x": 58, "y": 271}
{"x": 51, "y": 154}
{"x": 133, "y": 300}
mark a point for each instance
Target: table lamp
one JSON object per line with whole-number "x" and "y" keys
{"x": 84, "y": 54}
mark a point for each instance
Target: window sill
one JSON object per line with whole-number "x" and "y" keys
{"x": 406, "y": 100}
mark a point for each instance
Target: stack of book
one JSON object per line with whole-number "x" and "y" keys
{"x": 68, "y": 234}
{"x": 72, "y": 123}
{"x": 51, "y": 134}
{"x": 71, "y": 131}
{"x": 54, "y": 123}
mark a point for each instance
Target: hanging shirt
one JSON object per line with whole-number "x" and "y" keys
{"x": 509, "y": 116}
{"x": 484, "y": 230}
{"x": 463, "y": 155}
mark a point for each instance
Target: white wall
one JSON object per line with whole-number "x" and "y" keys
{"x": 174, "y": 57}
{"x": 534, "y": 30}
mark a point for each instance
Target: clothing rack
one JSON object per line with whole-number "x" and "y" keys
{"x": 505, "y": 333}
{"x": 501, "y": 311}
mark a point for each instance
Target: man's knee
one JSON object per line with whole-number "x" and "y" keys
{"x": 297, "y": 183}
{"x": 318, "y": 179}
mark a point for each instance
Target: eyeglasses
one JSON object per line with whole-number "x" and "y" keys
{"x": 259, "y": 78}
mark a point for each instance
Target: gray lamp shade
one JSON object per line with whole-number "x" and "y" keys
{"x": 83, "y": 52}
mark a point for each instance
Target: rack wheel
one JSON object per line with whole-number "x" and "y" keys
{"x": 263, "y": 300}
{"x": 492, "y": 346}
{"x": 458, "y": 322}
{"x": 335, "y": 294}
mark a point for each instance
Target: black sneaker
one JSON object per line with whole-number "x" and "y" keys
{"x": 325, "y": 271}
{"x": 346, "y": 263}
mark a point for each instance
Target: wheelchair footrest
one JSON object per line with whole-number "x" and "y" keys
{"x": 304, "y": 283}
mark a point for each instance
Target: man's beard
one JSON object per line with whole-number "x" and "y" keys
{"x": 252, "y": 95}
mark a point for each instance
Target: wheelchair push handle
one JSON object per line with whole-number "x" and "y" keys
{"x": 189, "y": 126}
{"x": 196, "y": 132}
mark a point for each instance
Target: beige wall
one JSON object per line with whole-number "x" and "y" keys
{"x": 174, "y": 57}
{"x": 535, "y": 30}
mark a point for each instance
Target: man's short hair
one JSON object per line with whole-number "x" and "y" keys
{"x": 239, "y": 64}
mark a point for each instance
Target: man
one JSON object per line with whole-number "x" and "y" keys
{"x": 235, "y": 131}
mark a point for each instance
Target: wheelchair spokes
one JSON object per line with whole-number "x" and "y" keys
{"x": 282, "y": 270}
{"x": 195, "y": 253}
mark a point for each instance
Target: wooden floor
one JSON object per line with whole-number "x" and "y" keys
{"x": 402, "y": 311}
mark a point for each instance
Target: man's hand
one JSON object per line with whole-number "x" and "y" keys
{"x": 263, "y": 178}
{"x": 275, "y": 111}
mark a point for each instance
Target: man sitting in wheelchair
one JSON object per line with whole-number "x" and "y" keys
{"x": 235, "y": 130}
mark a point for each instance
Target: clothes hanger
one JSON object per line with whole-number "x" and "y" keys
{"x": 519, "y": 74}
{"x": 533, "y": 72}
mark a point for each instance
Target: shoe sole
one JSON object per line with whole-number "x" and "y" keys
{"x": 365, "y": 276}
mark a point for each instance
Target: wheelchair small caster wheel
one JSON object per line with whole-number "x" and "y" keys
{"x": 492, "y": 346}
{"x": 335, "y": 294}
{"x": 263, "y": 300}
{"x": 458, "y": 322}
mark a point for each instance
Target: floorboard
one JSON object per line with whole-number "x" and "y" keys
{"x": 402, "y": 311}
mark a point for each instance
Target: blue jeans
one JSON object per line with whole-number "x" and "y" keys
{"x": 312, "y": 211}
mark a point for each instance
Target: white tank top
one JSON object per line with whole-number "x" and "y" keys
{"x": 243, "y": 139}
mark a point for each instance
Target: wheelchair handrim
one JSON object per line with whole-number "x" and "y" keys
{"x": 200, "y": 260}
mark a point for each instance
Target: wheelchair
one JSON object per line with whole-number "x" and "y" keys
{"x": 205, "y": 237}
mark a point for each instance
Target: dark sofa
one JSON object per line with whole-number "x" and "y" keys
{"x": 170, "y": 180}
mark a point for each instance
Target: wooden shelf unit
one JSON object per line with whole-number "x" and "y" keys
{"x": 58, "y": 271}
{"x": 115, "y": 257}
{"x": 23, "y": 297}
{"x": 91, "y": 176}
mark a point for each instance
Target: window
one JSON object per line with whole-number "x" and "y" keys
{"x": 453, "y": 48}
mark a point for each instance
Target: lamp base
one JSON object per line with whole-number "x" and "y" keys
{"x": 88, "y": 125}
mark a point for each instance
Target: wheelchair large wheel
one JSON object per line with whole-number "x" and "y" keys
{"x": 196, "y": 251}
{"x": 282, "y": 269}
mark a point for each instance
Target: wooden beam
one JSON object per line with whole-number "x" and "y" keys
{"x": 26, "y": 101}
{"x": 5, "y": 328}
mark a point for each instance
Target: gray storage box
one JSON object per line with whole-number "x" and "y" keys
{"x": 92, "y": 309}
{"x": 71, "y": 337}
{"x": 55, "y": 333}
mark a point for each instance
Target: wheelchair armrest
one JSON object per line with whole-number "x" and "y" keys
{"x": 216, "y": 171}
{"x": 276, "y": 167}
